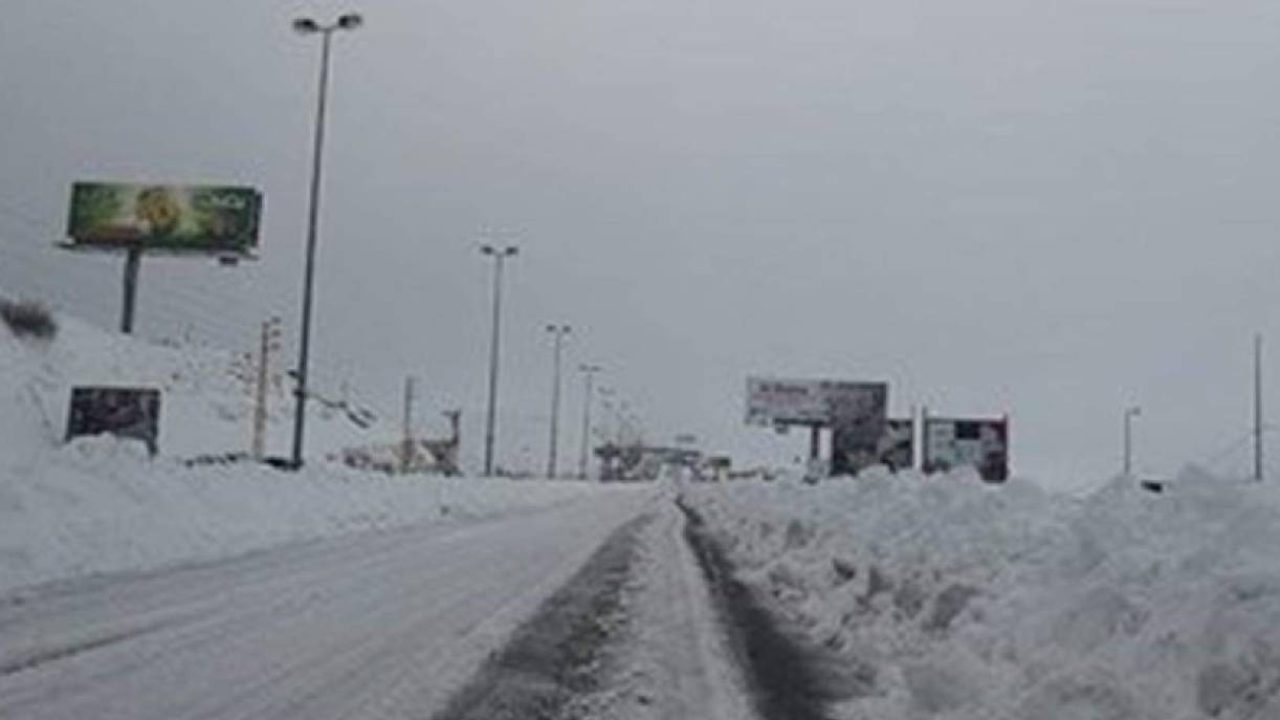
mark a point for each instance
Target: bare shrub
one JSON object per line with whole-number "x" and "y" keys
{"x": 28, "y": 319}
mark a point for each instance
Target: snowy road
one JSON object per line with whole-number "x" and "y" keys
{"x": 636, "y": 635}
{"x": 376, "y": 625}
{"x": 679, "y": 655}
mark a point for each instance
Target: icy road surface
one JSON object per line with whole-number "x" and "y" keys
{"x": 376, "y": 625}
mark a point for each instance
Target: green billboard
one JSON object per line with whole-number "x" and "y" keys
{"x": 179, "y": 218}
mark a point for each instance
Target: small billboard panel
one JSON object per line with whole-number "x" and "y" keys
{"x": 857, "y": 414}
{"x": 981, "y": 443}
{"x": 773, "y": 401}
{"x": 128, "y": 412}
{"x": 217, "y": 219}
{"x": 896, "y": 450}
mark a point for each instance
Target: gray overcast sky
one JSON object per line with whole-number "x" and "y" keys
{"x": 1050, "y": 208}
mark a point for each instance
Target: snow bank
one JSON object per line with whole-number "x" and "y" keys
{"x": 207, "y": 404}
{"x": 101, "y": 504}
{"x": 965, "y": 600}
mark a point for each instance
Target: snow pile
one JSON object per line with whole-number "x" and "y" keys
{"x": 206, "y": 407}
{"x": 945, "y": 597}
{"x": 102, "y": 504}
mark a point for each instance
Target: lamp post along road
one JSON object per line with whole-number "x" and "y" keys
{"x": 589, "y": 373}
{"x": 499, "y": 255}
{"x": 1257, "y": 408}
{"x": 1129, "y": 414}
{"x": 558, "y": 333}
{"x": 307, "y": 26}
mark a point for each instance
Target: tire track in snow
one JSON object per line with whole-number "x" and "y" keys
{"x": 557, "y": 654}
{"x": 784, "y": 678}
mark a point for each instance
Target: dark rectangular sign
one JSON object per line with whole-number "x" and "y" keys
{"x": 128, "y": 412}
{"x": 897, "y": 445}
{"x": 982, "y": 443}
{"x": 857, "y": 421}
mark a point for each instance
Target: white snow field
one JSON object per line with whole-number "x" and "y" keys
{"x": 102, "y": 505}
{"x": 965, "y": 600}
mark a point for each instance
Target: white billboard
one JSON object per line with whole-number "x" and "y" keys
{"x": 774, "y": 401}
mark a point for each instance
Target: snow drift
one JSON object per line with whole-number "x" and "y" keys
{"x": 102, "y": 504}
{"x": 958, "y": 599}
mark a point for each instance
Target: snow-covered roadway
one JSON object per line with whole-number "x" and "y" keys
{"x": 680, "y": 656}
{"x": 384, "y": 624}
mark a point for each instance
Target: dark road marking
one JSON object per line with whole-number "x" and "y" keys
{"x": 784, "y": 680}
{"x": 555, "y": 655}
{"x": 42, "y": 656}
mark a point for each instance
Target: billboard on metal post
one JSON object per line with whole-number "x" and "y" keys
{"x": 981, "y": 443}
{"x": 128, "y": 412}
{"x": 216, "y": 219}
{"x": 896, "y": 450}
{"x": 780, "y": 402}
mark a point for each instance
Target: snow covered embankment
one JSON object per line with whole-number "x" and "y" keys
{"x": 102, "y": 505}
{"x": 970, "y": 601}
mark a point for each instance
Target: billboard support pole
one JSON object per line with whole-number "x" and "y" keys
{"x": 132, "y": 261}
{"x": 926, "y": 466}
{"x": 915, "y": 447}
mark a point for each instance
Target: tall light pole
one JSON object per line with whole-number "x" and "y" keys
{"x": 589, "y": 375}
{"x": 558, "y": 332}
{"x": 606, "y": 414}
{"x": 1257, "y": 408}
{"x": 499, "y": 255}
{"x": 1129, "y": 414}
{"x": 307, "y": 26}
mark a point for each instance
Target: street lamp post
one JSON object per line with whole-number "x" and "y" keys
{"x": 589, "y": 374}
{"x": 499, "y": 255}
{"x": 307, "y": 26}
{"x": 558, "y": 332}
{"x": 1129, "y": 414}
{"x": 605, "y": 430}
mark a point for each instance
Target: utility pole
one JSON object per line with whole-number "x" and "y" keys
{"x": 1257, "y": 407}
{"x": 558, "y": 333}
{"x": 406, "y": 446}
{"x": 499, "y": 255}
{"x": 589, "y": 374}
{"x": 270, "y": 342}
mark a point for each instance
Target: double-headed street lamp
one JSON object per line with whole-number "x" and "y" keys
{"x": 307, "y": 26}
{"x": 558, "y": 333}
{"x": 589, "y": 376}
{"x": 499, "y": 255}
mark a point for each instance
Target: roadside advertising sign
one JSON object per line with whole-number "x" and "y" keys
{"x": 773, "y": 401}
{"x": 981, "y": 443}
{"x": 857, "y": 425}
{"x": 129, "y": 412}
{"x": 215, "y": 219}
{"x": 896, "y": 450}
